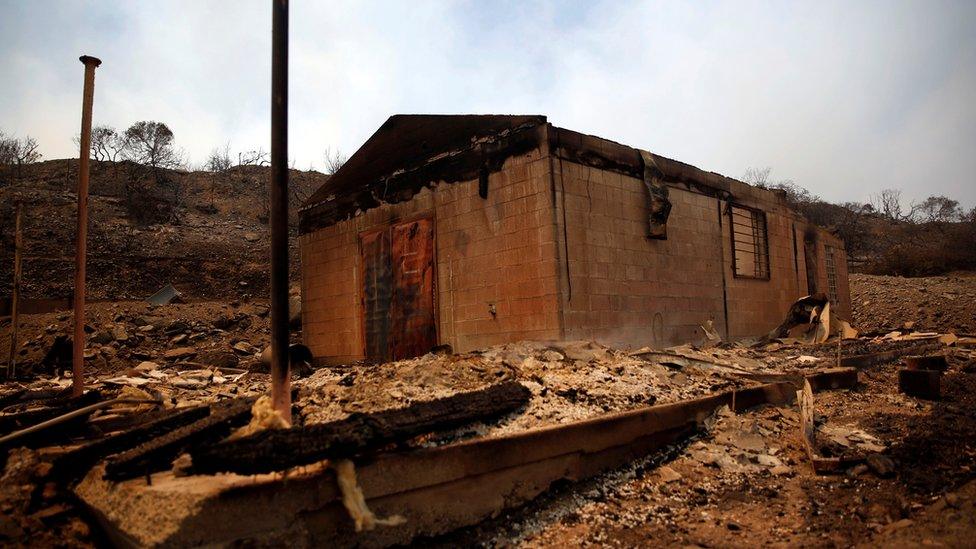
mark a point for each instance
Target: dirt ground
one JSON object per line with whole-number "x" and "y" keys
{"x": 934, "y": 303}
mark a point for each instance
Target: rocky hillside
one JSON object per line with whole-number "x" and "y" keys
{"x": 206, "y": 234}
{"x": 934, "y": 303}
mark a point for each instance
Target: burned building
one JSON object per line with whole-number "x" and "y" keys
{"x": 472, "y": 230}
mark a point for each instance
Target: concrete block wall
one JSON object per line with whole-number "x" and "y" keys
{"x": 756, "y": 306}
{"x": 559, "y": 251}
{"x": 498, "y": 252}
{"x": 628, "y": 290}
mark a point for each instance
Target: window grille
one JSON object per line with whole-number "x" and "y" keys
{"x": 831, "y": 274}
{"x": 750, "y": 247}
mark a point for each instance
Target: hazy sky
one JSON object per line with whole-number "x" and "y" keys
{"x": 844, "y": 98}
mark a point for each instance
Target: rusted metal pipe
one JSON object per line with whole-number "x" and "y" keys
{"x": 280, "y": 374}
{"x": 15, "y": 298}
{"x": 78, "y": 361}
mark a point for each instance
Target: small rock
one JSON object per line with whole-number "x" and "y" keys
{"x": 251, "y": 237}
{"x": 146, "y": 328}
{"x": 177, "y": 326}
{"x": 102, "y": 337}
{"x": 668, "y": 474}
{"x": 147, "y": 366}
{"x": 903, "y": 523}
{"x": 952, "y": 500}
{"x": 881, "y": 465}
{"x": 218, "y": 359}
{"x": 178, "y": 339}
{"x": 243, "y": 348}
{"x": 733, "y": 526}
{"x": 857, "y": 470}
{"x": 180, "y": 352}
{"x": 781, "y": 470}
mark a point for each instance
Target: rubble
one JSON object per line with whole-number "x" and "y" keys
{"x": 755, "y": 453}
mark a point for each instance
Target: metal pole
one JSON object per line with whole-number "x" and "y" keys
{"x": 18, "y": 246}
{"x": 78, "y": 361}
{"x": 280, "y": 375}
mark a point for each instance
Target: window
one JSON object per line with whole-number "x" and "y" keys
{"x": 831, "y": 274}
{"x": 750, "y": 248}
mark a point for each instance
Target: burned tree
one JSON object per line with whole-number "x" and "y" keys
{"x": 218, "y": 163}
{"x": 154, "y": 193}
{"x": 18, "y": 152}
{"x": 107, "y": 144}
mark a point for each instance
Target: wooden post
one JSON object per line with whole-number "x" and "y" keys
{"x": 78, "y": 355}
{"x": 18, "y": 249}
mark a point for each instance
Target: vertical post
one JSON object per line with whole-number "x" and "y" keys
{"x": 18, "y": 247}
{"x": 280, "y": 375}
{"x": 78, "y": 355}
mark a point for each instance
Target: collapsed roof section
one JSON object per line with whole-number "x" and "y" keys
{"x": 412, "y": 151}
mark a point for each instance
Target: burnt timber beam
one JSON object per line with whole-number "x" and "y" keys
{"x": 159, "y": 452}
{"x": 437, "y": 489}
{"x": 21, "y": 420}
{"x": 871, "y": 359}
{"x": 75, "y": 463}
{"x": 278, "y": 449}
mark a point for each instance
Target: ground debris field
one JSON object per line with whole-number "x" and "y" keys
{"x": 743, "y": 477}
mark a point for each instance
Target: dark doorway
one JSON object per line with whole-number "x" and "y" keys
{"x": 810, "y": 258}
{"x": 398, "y": 291}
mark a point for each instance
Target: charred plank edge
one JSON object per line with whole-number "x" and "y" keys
{"x": 277, "y": 449}
{"x": 395, "y": 481}
{"x": 12, "y": 422}
{"x": 72, "y": 465}
{"x": 12, "y": 397}
{"x": 871, "y": 359}
{"x": 159, "y": 452}
{"x": 830, "y": 378}
{"x": 463, "y": 164}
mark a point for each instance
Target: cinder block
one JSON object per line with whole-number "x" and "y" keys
{"x": 920, "y": 383}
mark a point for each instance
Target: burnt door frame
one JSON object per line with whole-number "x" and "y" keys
{"x": 388, "y": 229}
{"x": 382, "y": 234}
{"x": 409, "y": 337}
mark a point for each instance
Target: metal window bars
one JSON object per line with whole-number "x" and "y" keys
{"x": 750, "y": 245}
{"x": 831, "y": 274}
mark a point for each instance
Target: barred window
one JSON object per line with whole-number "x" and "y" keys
{"x": 831, "y": 274}
{"x": 750, "y": 247}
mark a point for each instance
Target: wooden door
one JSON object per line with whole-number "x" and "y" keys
{"x": 414, "y": 330}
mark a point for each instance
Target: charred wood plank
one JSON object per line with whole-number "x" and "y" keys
{"x": 871, "y": 359}
{"x": 11, "y": 397}
{"x": 278, "y": 449}
{"x": 75, "y": 463}
{"x": 157, "y": 454}
{"x": 13, "y": 422}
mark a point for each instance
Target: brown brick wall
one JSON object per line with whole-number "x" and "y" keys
{"x": 626, "y": 289}
{"x": 497, "y": 251}
{"x": 564, "y": 255}
{"x": 756, "y": 306}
